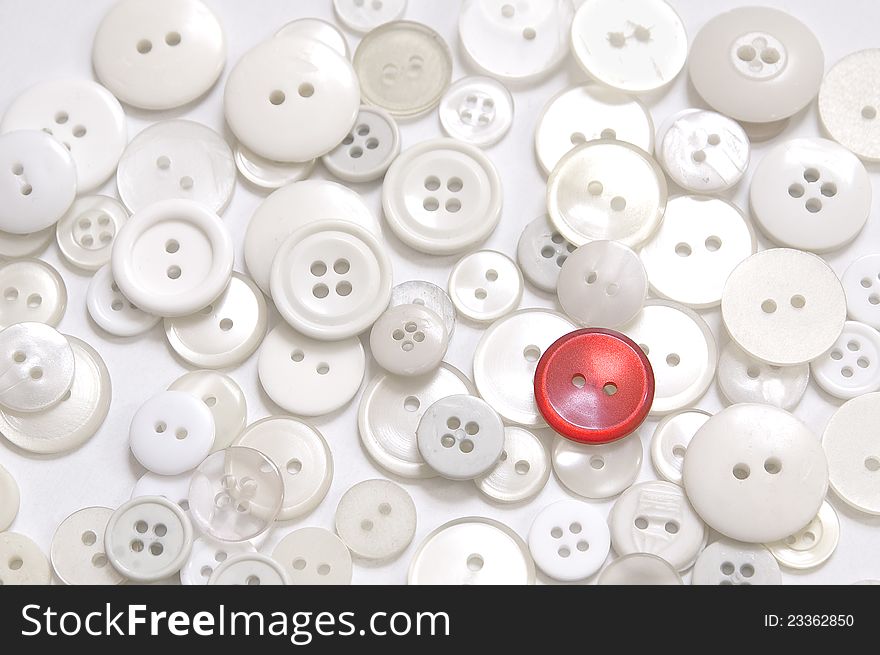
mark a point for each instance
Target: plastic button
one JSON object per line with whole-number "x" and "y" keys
{"x": 852, "y": 446}
{"x": 861, "y": 283}
{"x": 597, "y": 471}
{"x": 485, "y": 285}
{"x": 852, "y": 367}
{"x": 541, "y": 252}
{"x": 268, "y": 174}
{"x": 376, "y": 519}
{"x": 112, "y": 311}
{"x": 33, "y": 291}
{"x": 362, "y": 16}
{"x": 9, "y": 499}
{"x": 23, "y": 561}
{"x": 77, "y": 550}
{"x": 223, "y": 398}
{"x": 744, "y": 379}
{"x": 848, "y": 103}
{"x": 727, "y": 562}
{"x": 86, "y": 232}
{"x": 249, "y": 569}
{"x": 316, "y": 28}
{"x": 409, "y": 340}
{"x": 419, "y": 292}
{"x": 569, "y": 540}
{"x": 639, "y": 569}
{"x": 811, "y": 546}
{"x": 314, "y": 556}
{"x": 368, "y": 150}
{"x": 671, "y": 438}
{"x": 206, "y": 555}
{"x": 521, "y": 472}
{"x": 38, "y": 367}
{"x": 16, "y": 246}
{"x": 478, "y": 110}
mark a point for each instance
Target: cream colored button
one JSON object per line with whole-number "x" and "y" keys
{"x": 811, "y": 546}
{"x": 521, "y": 473}
{"x": 22, "y": 562}
{"x": 32, "y": 291}
{"x": 77, "y": 550}
{"x": 314, "y": 556}
{"x": 849, "y": 102}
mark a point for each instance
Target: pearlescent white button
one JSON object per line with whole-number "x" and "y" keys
{"x": 223, "y": 397}
{"x": 249, "y": 569}
{"x": 206, "y": 555}
{"x": 376, "y": 519}
{"x": 485, "y": 285}
{"x": 112, "y": 311}
{"x": 811, "y": 546}
{"x": 314, "y": 556}
{"x": 24, "y": 562}
{"x": 77, "y": 550}
{"x": 521, "y": 472}
{"x": 419, "y": 292}
{"x": 728, "y": 562}
{"x": 9, "y": 499}
{"x": 368, "y": 150}
{"x": 32, "y": 291}
{"x": 852, "y": 367}
{"x": 365, "y": 15}
{"x": 599, "y": 471}
{"x": 671, "y": 438}
{"x": 861, "y": 283}
{"x": 409, "y": 340}
{"x": 569, "y": 540}
{"x": 541, "y": 252}
{"x": 86, "y": 232}
{"x": 173, "y": 487}
{"x": 852, "y": 446}
{"x": 16, "y": 246}
{"x": 478, "y": 110}
{"x": 268, "y": 174}
{"x": 848, "y": 103}
{"x": 755, "y": 473}
{"x": 744, "y": 379}
{"x": 316, "y": 28}
{"x": 38, "y": 367}
{"x": 639, "y": 569}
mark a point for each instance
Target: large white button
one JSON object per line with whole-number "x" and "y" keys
{"x": 728, "y": 562}
{"x": 368, "y": 150}
{"x": 316, "y": 28}
{"x": 848, "y": 103}
{"x": 314, "y": 556}
{"x": 223, "y": 397}
{"x": 569, "y": 540}
{"x": 77, "y": 550}
{"x": 639, "y": 569}
{"x": 268, "y": 174}
{"x": 419, "y": 292}
{"x": 112, "y": 311}
{"x": 38, "y": 367}
{"x": 376, "y": 519}
{"x": 521, "y": 472}
{"x": 541, "y": 252}
{"x": 852, "y": 366}
{"x": 485, "y": 285}
{"x": 478, "y": 110}
{"x": 365, "y": 15}
{"x": 86, "y": 232}
{"x": 249, "y": 569}
{"x": 744, "y": 379}
{"x": 861, "y": 283}
{"x": 9, "y": 499}
{"x": 600, "y": 471}
{"x": 16, "y": 246}
{"x": 32, "y": 291}
{"x": 670, "y": 441}
{"x": 852, "y": 446}
{"x": 409, "y": 340}
{"x": 159, "y": 54}
{"x": 812, "y": 545}
{"x": 206, "y": 555}
{"x": 755, "y": 473}
{"x": 23, "y": 563}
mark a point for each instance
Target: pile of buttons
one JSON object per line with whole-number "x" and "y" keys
{"x": 641, "y": 245}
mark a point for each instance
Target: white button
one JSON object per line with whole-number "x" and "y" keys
{"x": 848, "y": 103}
{"x": 744, "y": 379}
{"x": 756, "y": 64}
{"x": 472, "y": 551}
{"x": 223, "y": 397}
{"x": 600, "y": 471}
{"x": 268, "y": 174}
{"x": 284, "y": 82}
{"x": 639, "y": 569}
{"x": 632, "y": 45}
{"x": 173, "y": 258}
{"x": 159, "y": 54}
{"x": 314, "y": 556}
{"x": 485, "y": 285}
{"x": 569, "y": 540}
{"x": 656, "y": 518}
{"x": 419, "y": 292}
{"x": 409, "y": 340}
{"x": 112, "y": 311}
{"x": 460, "y": 437}
{"x": 23, "y": 563}
{"x": 699, "y": 243}
{"x": 671, "y": 438}
{"x": 812, "y": 545}
{"x": 365, "y": 15}
{"x": 541, "y": 252}
{"x": 75, "y": 419}
{"x": 586, "y": 113}
{"x": 368, "y": 150}
{"x": 331, "y": 279}
{"x": 861, "y": 283}
{"x": 755, "y": 473}
{"x": 728, "y": 562}
{"x": 249, "y": 569}
{"x": 376, "y": 519}
{"x": 682, "y": 352}
{"x": 318, "y": 29}
{"x": 478, "y": 110}
{"x": 853, "y": 450}
{"x": 173, "y": 487}
{"x": 852, "y": 366}
{"x": 442, "y": 196}
{"x": 86, "y": 232}
{"x": 226, "y": 332}
{"x": 308, "y": 377}
{"x": 783, "y": 306}
{"x": 176, "y": 159}
{"x": 38, "y": 367}
{"x": 77, "y": 550}
{"x": 389, "y": 414}
{"x": 602, "y": 283}
{"x": 506, "y": 357}
{"x": 9, "y": 499}
{"x": 810, "y": 194}
{"x": 16, "y": 246}
{"x": 521, "y": 473}
{"x": 606, "y": 190}
{"x": 37, "y": 183}
{"x": 206, "y": 555}
{"x": 33, "y": 291}
{"x": 403, "y": 67}
{"x": 703, "y": 151}
{"x": 171, "y": 433}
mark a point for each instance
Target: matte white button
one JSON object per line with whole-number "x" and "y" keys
{"x": 755, "y": 473}
{"x": 442, "y": 196}
{"x": 728, "y": 562}
{"x": 314, "y": 556}
{"x": 639, "y": 569}
{"x": 521, "y": 472}
{"x": 848, "y": 103}
{"x": 409, "y": 340}
{"x": 33, "y": 291}
{"x": 419, "y": 292}
{"x": 861, "y": 283}
{"x": 364, "y": 15}
{"x": 77, "y": 550}
{"x": 223, "y": 397}
{"x": 599, "y": 471}
{"x": 744, "y": 379}
{"x": 38, "y": 367}
{"x": 159, "y": 54}
{"x": 249, "y": 569}
{"x": 376, "y": 519}
{"x": 634, "y": 46}
{"x": 852, "y": 367}
{"x": 9, "y": 499}
{"x": 671, "y": 438}
{"x": 23, "y": 561}
{"x": 16, "y": 246}
{"x": 569, "y": 540}
{"x": 171, "y": 433}
{"x": 541, "y": 252}
{"x": 173, "y": 258}
{"x": 112, "y": 311}
{"x": 485, "y": 285}
{"x": 309, "y": 377}
{"x": 86, "y": 232}
{"x": 368, "y": 150}
{"x": 206, "y": 555}
{"x": 173, "y": 487}
{"x": 268, "y": 174}
{"x": 478, "y": 110}
{"x": 318, "y": 29}
{"x": 811, "y": 546}
{"x": 783, "y": 306}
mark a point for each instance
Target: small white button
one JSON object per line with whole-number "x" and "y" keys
{"x": 33, "y": 291}
{"x": 77, "y": 550}
{"x": 848, "y": 103}
{"x": 368, "y": 150}
{"x": 852, "y": 367}
{"x": 409, "y": 340}
{"x": 318, "y": 29}
{"x": 852, "y": 446}
{"x": 86, "y": 232}
{"x": 268, "y": 174}
{"x": 728, "y": 562}
{"x": 206, "y": 555}
{"x": 521, "y": 473}
{"x": 314, "y": 556}
{"x": 16, "y": 246}
{"x": 600, "y": 471}
{"x": 478, "y": 110}
{"x": 755, "y": 473}
{"x": 173, "y": 487}
{"x": 861, "y": 283}
{"x": 223, "y": 397}
{"x": 569, "y": 540}
{"x": 38, "y": 367}
{"x": 744, "y": 379}
{"x": 112, "y": 311}
{"x": 419, "y": 292}
{"x": 811, "y": 546}
{"x": 249, "y": 569}
{"x": 365, "y": 15}
{"x": 376, "y": 519}
{"x": 23, "y": 563}
{"x": 639, "y": 569}
{"x": 670, "y": 441}
{"x": 159, "y": 54}
{"x": 9, "y": 499}
{"x": 485, "y": 285}
{"x": 541, "y": 252}
{"x": 171, "y": 433}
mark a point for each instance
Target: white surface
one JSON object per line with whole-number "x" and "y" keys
{"x": 58, "y": 34}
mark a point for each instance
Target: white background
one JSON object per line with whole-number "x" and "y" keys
{"x": 50, "y": 39}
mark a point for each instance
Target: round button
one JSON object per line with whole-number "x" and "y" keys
{"x": 419, "y": 292}
{"x": 756, "y": 64}
{"x": 853, "y": 450}
{"x": 442, "y": 196}
{"x": 268, "y": 174}
{"x": 316, "y": 28}
{"x": 602, "y": 283}
{"x": 569, "y": 540}
{"x": 16, "y": 246}
{"x": 173, "y": 258}
{"x": 852, "y": 367}
{"x": 597, "y": 471}
{"x": 755, "y": 473}
{"x": 594, "y": 386}
{"x": 173, "y": 487}
{"x": 671, "y": 438}
{"x": 409, "y": 340}
{"x": 485, "y": 285}
{"x": 811, "y": 546}
{"x": 606, "y": 189}
{"x": 403, "y": 67}
{"x": 744, "y": 379}
{"x": 86, "y": 232}
{"x": 314, "y": 556}
{"x": 521, "y": 472}
{"x": 363, "y": 16}
{"x": 727, "y": 562}
{"x": 783, "y": 306}
{"x": 223, "y": 398}
{"x": 639, "y": 569}
{"x": 159, "y": 54}
{"x": 38, "y": 183}
{"x": 861, "y": 283}
{"x": 309, "y": 377}
{"x": 541, "y": 252}
{"x": 9, "y": 499}
{"x": 33, "y": 291}
{"x": 376, "y": 519}
{"x": 249, "y": 569}
{"x": 207, "y": 555}
{"x": 368, "y": 150}
{"x": 634, "y": 46}
{"x": 112, "y": 311}
{"x": 23, "y": 563}
{"x": 478, "y": 110}
{"x": 848, "y": 103}
{"x": 77, "y": 550}
{"x": 38, "y": 367}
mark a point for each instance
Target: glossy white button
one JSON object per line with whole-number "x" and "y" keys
{"x": 16, "y": 246}
{"x": 811, "y": 546}
{"x": 171, "y": 433}
{"x": 602, "y": 284}
{"x": 852, "y": 367}
{"x": 606, "y": 190}
{"x": 852, "y": 446}
{"x": 9, "y": 499}
{"x": 472, "y": 551}
{"x": 541, "y": 252}
{"x": 639, "y": 569}
{"x": 75, "y": 418}
{"x": 268, "y": 174}
{"x": 699, "y": 243}
{"x": 308, "y": 377}
{"x": 173, "y": 258}
{"x": 478, "y": 110}
{"x": 368, "y": 150}
{"x": 783, "y": 306}
{"x": 569, "y": 540}
{"x": 38, "y": 182}
{"x": 159, "y": 54}
{"x": 485, "y": 285}
{"x": 376, "y": 519}
{"x": 316, "y": 28}
{"x": 112, "y": 311}
{"x": 848, "y": 103}
{"x": 223, "y": 397}
{"x": 861, "y": 283}
{"x": 755, "y": 473}
{"x": 173, "y": 487}
{"x": 442, "y": 196}
{"x": 314, "y": 556}
{"x": 521, "y": 472}
{"x": 86, "y": 232}
{"x": 389, "y": 413}
{"x": 284, "y": 82}
{"x": 756, "y": 64}
{"x": 671, "y": 438}
{"x": 728, "y": 562}
{"x": 365, "y": 15}
{"x": 33, "y": 291}
{"x": 249, "y": 569}
{"x": 77, "y": 551}
{"x": 38, "y": 367}
{"x": 409, "y": 340}
{"x": 656, "y": 518}
{"x": 744, "y": 379}
{"x": 23, "y": 561}
{"x": 599, "y": 471}
{"x": 634, "y": 46}
{"x": 419, "y": 292}
{"x": 206, "y": 555}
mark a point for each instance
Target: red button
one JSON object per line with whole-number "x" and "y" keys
{"x": 594, "y": 386}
